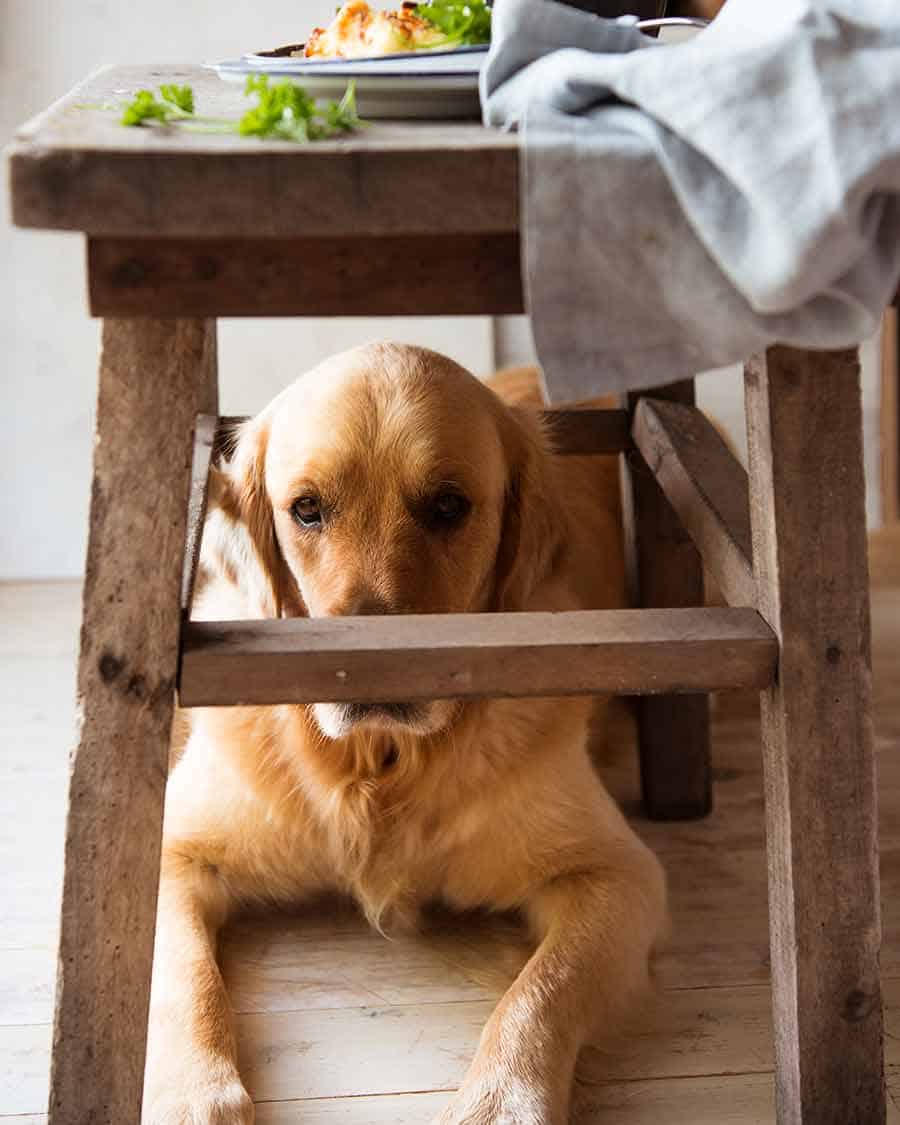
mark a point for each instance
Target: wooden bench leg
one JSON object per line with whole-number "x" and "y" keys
{"x": 155, "y": 376}
{"x": 809, "y": 545}
{"x": 665, "y": 571}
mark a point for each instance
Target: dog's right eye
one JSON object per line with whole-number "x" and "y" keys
{"x": 307, "y": 511}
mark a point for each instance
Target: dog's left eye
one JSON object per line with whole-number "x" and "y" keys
{"x": 448, "y": 508}
{"x": 307, "y": 511}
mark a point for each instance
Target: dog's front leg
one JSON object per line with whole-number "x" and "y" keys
{"x": 590, "y": 970}
{"x": 191, "y": 1075}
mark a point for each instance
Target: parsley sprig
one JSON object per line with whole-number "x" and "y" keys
{"x": 287, "y": 111}
{"x": 177, "y": 103}
{"x": 283, "y": 110}
{"x": 465, "y": 23}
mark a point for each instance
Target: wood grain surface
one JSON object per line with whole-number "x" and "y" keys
{"x": 572, "y": 432}
{"x": 889, "y": 417}
{"x": 452, "y": 274}
{"x": 324, "y": 958}
{"x": 707, "y": 488}
{"x": 665, "y": 569}
{"x": 807, "y": 497}
{"x": 75, "y": 167}
{"x": 162, "y": 373}
{"x": 399, "y": 658}
{"x": 205, "y": 431}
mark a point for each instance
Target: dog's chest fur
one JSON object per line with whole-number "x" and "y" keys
{"x": 396, "y": 821}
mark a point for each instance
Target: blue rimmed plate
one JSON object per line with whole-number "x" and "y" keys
{"x": 431, "y": 84}
{"x": 436, "y": 85}
{"x": 435, "y": 58}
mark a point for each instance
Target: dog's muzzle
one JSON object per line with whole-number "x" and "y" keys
{"x": 398, "y": 712}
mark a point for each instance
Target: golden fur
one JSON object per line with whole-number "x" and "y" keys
{"x": 483, "y": 804}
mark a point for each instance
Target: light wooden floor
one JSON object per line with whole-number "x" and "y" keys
{"x": 338, "y": 1025}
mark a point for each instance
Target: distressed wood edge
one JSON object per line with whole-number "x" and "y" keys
{"x": 402, "y": 658}
{"x": 389, "y": 273}
{"x": 663, "y": 567}
{"x": 23, "y": 138}
{"x": 889, "y": 417}
{"x": 672, "y": 437}
{"x": 31, "y": 164}
{"x": 577, "y": 433}
{"x": 817, "y": 736}
{"x": 205, "y": 434}
{"x": 53, "y": 181}
{"x": 160, "y": 372}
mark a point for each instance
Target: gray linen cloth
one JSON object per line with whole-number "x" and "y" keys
{"x": 684, "y": 205}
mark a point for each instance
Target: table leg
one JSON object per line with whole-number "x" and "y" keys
{"x": 664, "y": 571}
{"x": 807, "y": 498}
{"x": 890, "y": 417}
{"x": 155, "y": 376}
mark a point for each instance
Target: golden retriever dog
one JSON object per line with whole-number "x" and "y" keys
{"x": 390, "y": 480}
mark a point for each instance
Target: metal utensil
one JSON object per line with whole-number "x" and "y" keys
{"x": 661, "y": 22}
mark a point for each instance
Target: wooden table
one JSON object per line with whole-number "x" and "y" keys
{"x": 419, "y": 218}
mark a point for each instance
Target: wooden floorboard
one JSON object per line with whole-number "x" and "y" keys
{"x": 716, "y": 1100}
{"x": 338, "y": 1026}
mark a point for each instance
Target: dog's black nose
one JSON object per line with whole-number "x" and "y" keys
{"x": 365, "y": 603}
{"x": 356, "y": 712}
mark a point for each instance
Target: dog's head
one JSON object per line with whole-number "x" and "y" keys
{"x": 386, "y": 480}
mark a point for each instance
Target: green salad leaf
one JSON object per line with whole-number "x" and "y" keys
{"x": 465, "y": 23}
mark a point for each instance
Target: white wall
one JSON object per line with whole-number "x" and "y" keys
{"x": 49, "y": 344}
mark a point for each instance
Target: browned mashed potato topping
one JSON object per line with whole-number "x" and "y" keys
{"x": 358, "y": 31}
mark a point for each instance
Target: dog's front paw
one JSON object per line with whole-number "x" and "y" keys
{"x": 502, "y": 1099}
{"x": 202, "y": 1097}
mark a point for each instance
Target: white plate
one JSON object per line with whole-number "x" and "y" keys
{"x": 421, "y": 84}
{"x": 394, "y": 94}
{"x": 465, "y": 60}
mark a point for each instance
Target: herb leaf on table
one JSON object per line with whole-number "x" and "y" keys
{"x": 146, "y": 108}
{"x": 180, "y": 96}
{"x": 284, "y": 111}
{"x": 287, "y": 111}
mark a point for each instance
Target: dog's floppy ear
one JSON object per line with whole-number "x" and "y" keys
{"x": 532, "y": 538}
{"x": 239, "y": 540}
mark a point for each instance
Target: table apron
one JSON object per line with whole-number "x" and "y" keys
{"x": 403, "y": 275}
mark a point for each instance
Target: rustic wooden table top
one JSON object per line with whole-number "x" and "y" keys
{"x": 75, "y": 167}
